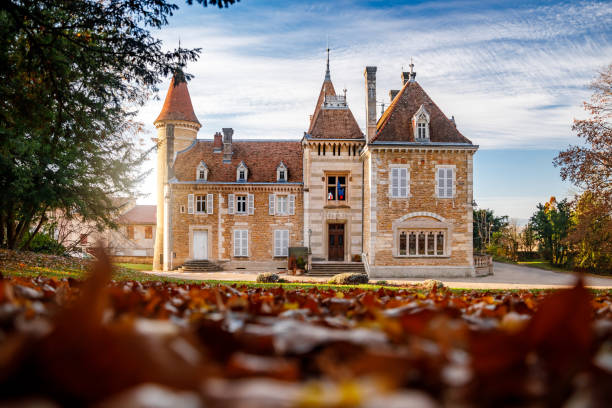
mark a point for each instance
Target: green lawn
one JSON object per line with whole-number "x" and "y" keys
{"x": 543, "y": 264}
{"x": 136, "y": 267}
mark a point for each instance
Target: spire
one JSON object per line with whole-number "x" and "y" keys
{"x": 412, "y": 73}
{"x": 177, "y": 105}
{"x": 327, "y": 75}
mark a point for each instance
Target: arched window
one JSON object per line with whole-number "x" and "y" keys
{"x": 242, "y": 172}
{"x": 282, "y": 173}
{"x": 420, "y": 124}
{"x": 202, "y": 172}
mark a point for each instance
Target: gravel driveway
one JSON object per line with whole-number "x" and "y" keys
{"x": 507, "y": 276}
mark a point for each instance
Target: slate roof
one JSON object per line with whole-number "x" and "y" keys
{"x": 140, "y": 214}
{"x": 261, "y": 158}
{"x": 395, "y": 124}
{"x": 332, "y": 123}
{"x": 177, "y": 105}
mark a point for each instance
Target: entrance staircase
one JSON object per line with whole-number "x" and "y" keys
{"x": 200, "y": 265}
{"x": 334, "y": 268}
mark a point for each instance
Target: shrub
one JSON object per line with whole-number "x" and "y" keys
{"x": 300, "y": 262}
{"x": 44, "y": 243}
{"x": 268, "y": 277}
{"x": 349, "y": 279}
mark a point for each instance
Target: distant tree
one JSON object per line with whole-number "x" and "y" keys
{"x": 71, "y": 78}
{"x": 589, "y": 166}
{"x": 528, "y": 238}
{"x": 485, "y": 224}
{"x": 591, "y": 235}
{"x": 552, "y": 223}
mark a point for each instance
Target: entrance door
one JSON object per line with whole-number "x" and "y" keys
{"x": 200, "y": 244}
{"x": 336, "y": 242}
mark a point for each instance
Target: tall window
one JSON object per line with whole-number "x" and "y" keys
{"x": 241, "y": 243}
{"x": 281, "y": 242}
{"x": 148, "y": 232}
{"x": 200, "y": 204}
{"x": 336, "y": 188}
{"x": 445, "y": 186}
{"x": 422, "y": 130}
{"x": 399, "y": 182}
{"x": 241, "y": 204}
{"x": 130, "y": 231}
{"x": 421, "y": 243}
{"x": 282, "y": 202}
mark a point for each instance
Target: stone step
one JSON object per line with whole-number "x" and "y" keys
{"x": 328, "y": 269}
{"x": 200, "y": 265}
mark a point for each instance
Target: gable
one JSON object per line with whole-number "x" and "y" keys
{"x": 396, "y": 122}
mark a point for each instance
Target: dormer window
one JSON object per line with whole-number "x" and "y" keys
{"x": 242, "y": 173}
{"x": 202, "y": 172}
{"x": 282, "y": 172}
{"x": 420, "y": 124}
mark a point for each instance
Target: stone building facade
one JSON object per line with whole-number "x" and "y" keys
{"x": 398, "y": 198}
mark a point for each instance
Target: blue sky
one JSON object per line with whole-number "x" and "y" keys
{"x": 514, "y": 74}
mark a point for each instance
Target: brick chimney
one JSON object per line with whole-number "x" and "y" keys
{"x": 227, "y": 144}
{"x": 370, "y": 82}
{"x": 393, "y": 93}
{"x": 218, "y": 143}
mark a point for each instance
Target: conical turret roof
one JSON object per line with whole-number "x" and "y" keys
{"x": 177, "y": 105}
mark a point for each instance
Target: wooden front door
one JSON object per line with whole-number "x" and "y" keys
{"x": 335, "y": 242}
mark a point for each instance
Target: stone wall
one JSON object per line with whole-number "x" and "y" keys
{"x": 423, "y": 207}
{"x": 220, "y": 225}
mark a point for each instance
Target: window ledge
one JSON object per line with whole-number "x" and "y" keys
{"x": 421, "y": 256}
{"x": 399, "y": 198}
{"x": 332, "y": 206}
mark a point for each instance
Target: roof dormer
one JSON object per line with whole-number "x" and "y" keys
{"x": 282, "y": 173}
{"x": 242, "y": 173}
{"x": 420, "y": 124}
{"x": 202, "y": 172}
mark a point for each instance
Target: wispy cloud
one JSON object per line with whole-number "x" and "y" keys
{"x": 512, "y": 73}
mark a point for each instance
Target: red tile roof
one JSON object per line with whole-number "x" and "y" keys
{"x": 177, "y": 105}
{"x": 395, "y": 124}
{"x": 332, "y": 123}
{"x": 260, "y": 157}
{"x": 140, "y": 214}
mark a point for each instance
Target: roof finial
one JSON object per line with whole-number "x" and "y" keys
{"x": 412, "y": 73}
{"x": 327, "y": 75}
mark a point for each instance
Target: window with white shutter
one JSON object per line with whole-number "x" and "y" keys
{"x": 209, "y": 203}
{"x": 398, "y": 185}
{"x": 271, "y": 203}
{"x": 200, "y": 204}
{"x": 281, "y": 242}
{"x": 251, "y": 204}
{"x": 291, "y": 204}
{"x": 190, "y": 203}
{"x": 281, "y": 204}
{"x": 230, "y": 203}
{"x": 445, "y": 182}
{"x": 241, "y": 243}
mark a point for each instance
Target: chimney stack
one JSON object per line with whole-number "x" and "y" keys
{"x": 218, "y": 143}
{"x": 370, "y": 79}
{"x": 227, "y": 144}
{"x": 393, "y": 93}
{"x": 405, "y": 77}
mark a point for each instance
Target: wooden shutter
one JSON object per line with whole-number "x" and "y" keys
{"x": 230, "y": 203}
{"x": 209, "y": 203}
{"x": 284, "y": 242}
{"x": 237, "y": 242}
{"x": 452, "y": 180}
{"x": 244, "y": 246}
{"x": 251, "y": 204}
{"x": 394, "y": 185}
{"x": 190, "y": 204}
{"x": 440, "y": 182}
{"x": 291, "y": 204}
{"x": 403, "y": 182}
{"x": 271, "y": 204}
{"x": 449, "y": 183}
{"x": 277, "y": 242}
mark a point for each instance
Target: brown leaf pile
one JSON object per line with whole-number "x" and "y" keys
{"x": 64, "y": 342}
